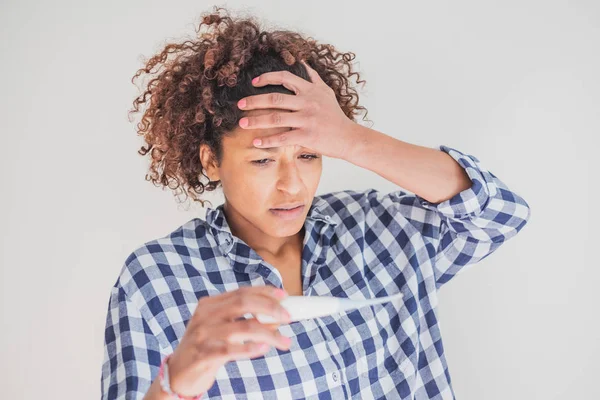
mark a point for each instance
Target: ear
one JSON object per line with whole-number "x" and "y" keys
{"x": 209, "y": 162}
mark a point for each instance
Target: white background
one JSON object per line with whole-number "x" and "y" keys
{"x": 515, "y": 83}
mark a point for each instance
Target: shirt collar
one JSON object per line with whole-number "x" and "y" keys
{"x": 215, "y": 217}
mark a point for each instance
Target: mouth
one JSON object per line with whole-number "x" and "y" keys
{"x": 288, "y": 207}
{"x": 288, "y": 213}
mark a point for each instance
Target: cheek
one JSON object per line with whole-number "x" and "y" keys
{"x": 247, "y": 186}
{"x": 311, "y": 174}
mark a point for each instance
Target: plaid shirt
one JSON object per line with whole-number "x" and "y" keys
{"x": 358, "y": 244}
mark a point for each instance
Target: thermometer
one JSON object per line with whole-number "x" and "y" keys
{"x": 306, "y": 307}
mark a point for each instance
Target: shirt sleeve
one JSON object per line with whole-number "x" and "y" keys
{"x": 132, "y": 353}
{"x": 466, "y": 228}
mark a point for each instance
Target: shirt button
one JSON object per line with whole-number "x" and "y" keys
{"x": 334, "y": 376}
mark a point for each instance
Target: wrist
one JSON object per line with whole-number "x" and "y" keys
{"x": 358, "y": 138}
{"x": 169, "y": 384}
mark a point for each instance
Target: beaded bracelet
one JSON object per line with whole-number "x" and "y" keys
{"x": 163, "y": 376}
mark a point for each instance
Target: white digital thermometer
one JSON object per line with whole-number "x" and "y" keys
{"x": 306, "y": 307}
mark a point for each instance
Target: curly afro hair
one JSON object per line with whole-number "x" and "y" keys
{"x": 193, "y": 99}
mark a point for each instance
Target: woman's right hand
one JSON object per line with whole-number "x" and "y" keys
{"x": 213, "y": 336}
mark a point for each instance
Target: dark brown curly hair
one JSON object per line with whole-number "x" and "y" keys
{"x": 193, "y": 100}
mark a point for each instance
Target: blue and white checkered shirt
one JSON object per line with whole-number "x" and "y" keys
{"x": 358, "y": 244}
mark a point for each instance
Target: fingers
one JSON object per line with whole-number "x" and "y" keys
{"x": 286, "y": 78}
{"x": 288, "y": 138}
{"x": 212, "y": 337}
{"x": 253, "y": 300}
{"x": 273, "y": 120}
{"x": 242, "y": 339}
{"x": 252, "y": 330}
{"x": 254, "y": 304}
{"x": 221, "y": 352}
{"x": 272, "y": 100}
{"x": 246, "y": 350}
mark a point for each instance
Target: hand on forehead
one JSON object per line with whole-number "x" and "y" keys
{"x": 245, "y": 137}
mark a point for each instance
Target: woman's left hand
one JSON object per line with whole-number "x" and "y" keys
{"x": 317, "y": 120}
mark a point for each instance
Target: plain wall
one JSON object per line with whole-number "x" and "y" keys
{"x": 514, "y": 83}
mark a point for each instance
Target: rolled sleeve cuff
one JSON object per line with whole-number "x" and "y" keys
{"x": 470, "y": 202}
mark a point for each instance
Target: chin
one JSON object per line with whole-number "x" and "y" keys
{"x": 286, "y": 228}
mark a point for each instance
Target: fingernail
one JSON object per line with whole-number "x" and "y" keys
{"x": 255, "y": 80}
{"x": 261, "y": 346}
{"x": 257, "y": 142}
{"x": 281, "y": 293}
{"x": 244, "y": 122}
{"x": 242, "y": 103}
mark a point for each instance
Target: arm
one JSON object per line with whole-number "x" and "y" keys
{"x": 429, "y": 173}
{"x": 131, "y": 353}
{"x": 461, "y": 222}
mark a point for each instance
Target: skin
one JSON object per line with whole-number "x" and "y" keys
{"x": 289, "y": 174}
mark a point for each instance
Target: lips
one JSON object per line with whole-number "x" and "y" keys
{"x": 288, "y": 214}
{"x": 287, "y": 207}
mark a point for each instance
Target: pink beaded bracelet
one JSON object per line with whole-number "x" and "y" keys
{"x": 163, "y": 376}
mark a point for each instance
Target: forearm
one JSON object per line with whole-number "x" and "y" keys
{"x": 156, "y": 393}
{"x": 429, "y": 173}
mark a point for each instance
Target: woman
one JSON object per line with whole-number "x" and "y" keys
{"x": 176, "y": 321}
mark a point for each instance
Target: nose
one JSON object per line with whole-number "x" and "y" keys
{"x": 289, "y": 178}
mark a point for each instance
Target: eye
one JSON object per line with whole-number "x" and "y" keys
{"x": 261, "y": 162}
